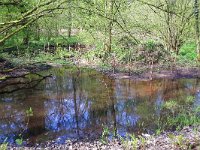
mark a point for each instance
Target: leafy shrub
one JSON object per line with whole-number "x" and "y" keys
{"x": 152, "y": 51}
{"x": 188, "y": 51}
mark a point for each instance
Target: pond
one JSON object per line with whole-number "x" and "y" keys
{"x": 79, "y": 104}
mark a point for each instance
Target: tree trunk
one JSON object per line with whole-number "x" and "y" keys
{"x": 110, "y": 27}
{"x": 173, "y": 41}
{"x": 196, "y": 13}
{"x": 69, "y": 19}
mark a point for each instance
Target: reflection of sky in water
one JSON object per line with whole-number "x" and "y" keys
{"x": 65, "y": 116}
{"x": 159, "y": 103}
{"x": 7, "y": 99}
{"x": 62, "y": 115}
{"x": 197, "y": 99}
{"x": 126, "y": 116}
{"x": 11, "y": 124}
{"x": 188, "y": 85}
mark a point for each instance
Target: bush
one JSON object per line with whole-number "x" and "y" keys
{"x": 188, "y": 51}
{"x": 152, "y": 51}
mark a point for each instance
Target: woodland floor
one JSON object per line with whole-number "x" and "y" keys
{"x": 187, "y": 138}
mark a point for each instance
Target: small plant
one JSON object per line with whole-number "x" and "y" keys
{"x": 180, "y": 141}
{"x": 189, "y": 99}
{"x": 19, "y": 141}
{"x": 171, "y": 136}
{"x": 134, "y": 141}
{"x": 29, "y": 112}
{"x": 62, "y": 53}
{"x": 197, "y": 110}
{"x": 4, "y": 145}
{"x": 158, "y": 131}
{"x": 142, "y": 142}
{"x": 104, "y": 135}
{"x": 171, "y": 105}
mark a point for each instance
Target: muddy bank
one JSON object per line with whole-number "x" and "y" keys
{"x": 148, "y": 75}
{"x": 187, "y": 138}
{"x": 143, "y": 71}
{"x": 7, "y": 69}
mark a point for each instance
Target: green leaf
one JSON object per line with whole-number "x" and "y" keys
{"x": 19, "y": 141}
{"x": 29, "y": 112}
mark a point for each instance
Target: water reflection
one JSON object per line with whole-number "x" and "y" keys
{"x": 76, "y": 105}
{"x": 12, "y": 121}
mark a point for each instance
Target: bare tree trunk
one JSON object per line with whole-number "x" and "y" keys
{"x": 196, "y": 13}
{"x": 69, "y": 19}
{"x": 173, "y": 40}
{"x": 110, "y": 27}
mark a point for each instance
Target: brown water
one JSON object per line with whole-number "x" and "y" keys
{"x": 77, "y": 105}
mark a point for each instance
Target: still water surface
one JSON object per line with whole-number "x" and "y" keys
{"x": 76, "y": 105}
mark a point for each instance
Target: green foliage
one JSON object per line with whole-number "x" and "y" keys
{"x": 91, "y": 26}
{"x": 150, "y": 45}
{"x": 61, "y": 40}
{"x": 19, "y": 141}
{"x": 180, "y": 141}
{"x": 134, "y": 141}
{"x": 142, "y": 142}
{"x": 4, "y": 145}
{"x": 171, "y": 105}
{"x": 63, "y": 53}
{"x": 105, "y": 134}
{"x": 182, "y": 115}
{"x": 29, "y": 112}
{"x": 158, "y": 131}
{"x": 152, "y": 52}
{"x": 190, "y": 99}
{"x": 86, "y": 38}
{"x": 188, "y": 51}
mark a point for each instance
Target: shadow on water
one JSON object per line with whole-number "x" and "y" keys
{"x": 76, "y": 105}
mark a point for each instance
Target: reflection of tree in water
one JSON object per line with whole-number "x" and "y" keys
{"x": 87, "y": 103}
{"x": 141, "y": 106}
{"x": 125, "y": 106}
{"x": 12, "y": 122}
{"x": 69, "y": 114}
{"x": 197, "y": 95}
{"x": 62, "y": 115}
{"x": 72, "y": 105}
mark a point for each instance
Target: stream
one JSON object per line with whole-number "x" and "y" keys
{"x": 79, "y": 104}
